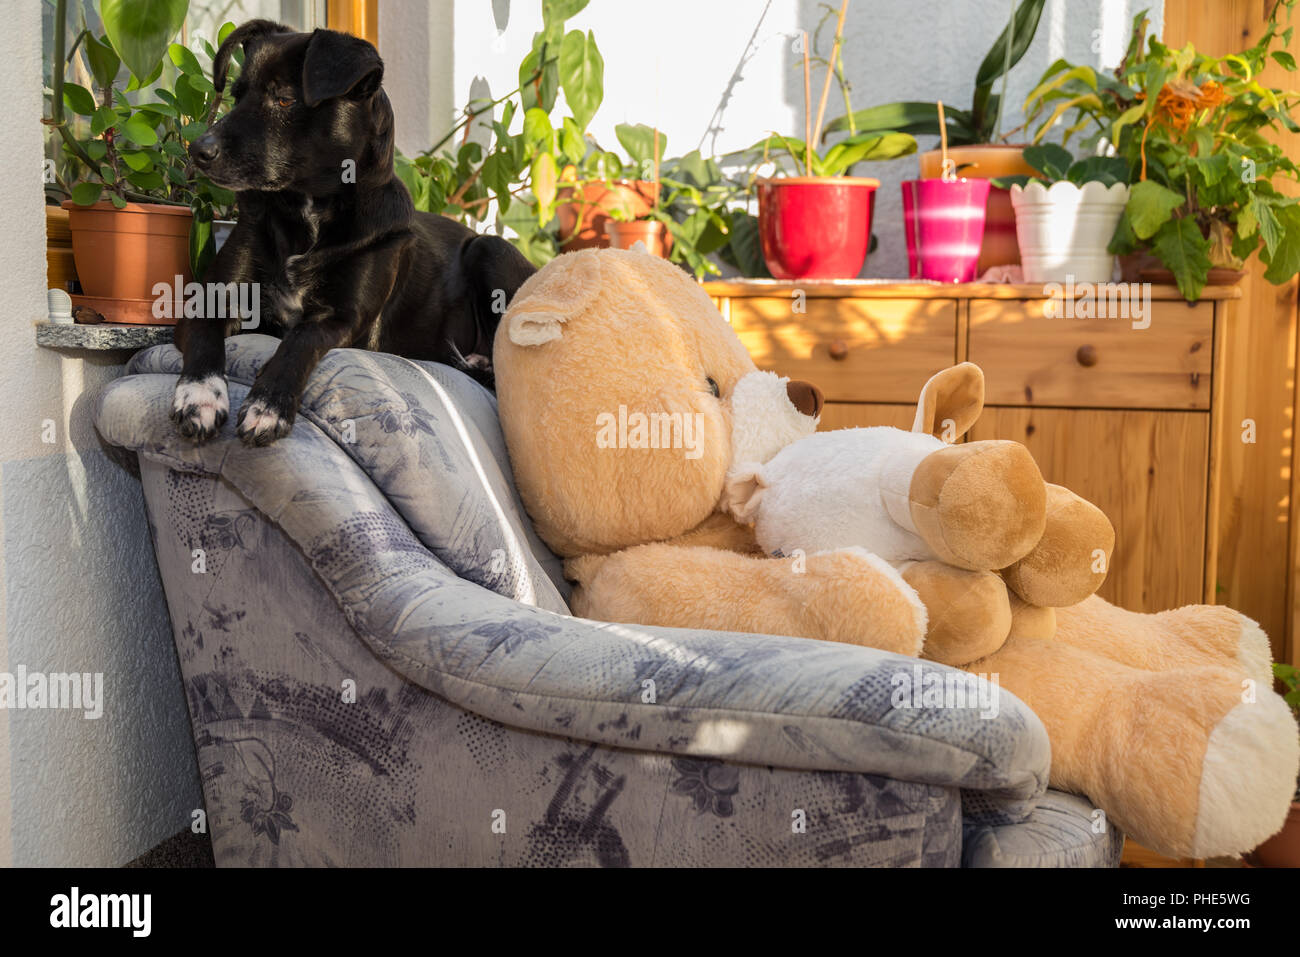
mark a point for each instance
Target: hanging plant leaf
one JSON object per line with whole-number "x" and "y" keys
{"x": 582, "y": 72}
{"x": 141, "y": 29}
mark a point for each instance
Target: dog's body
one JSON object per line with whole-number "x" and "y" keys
{"x": 329, "y": 234}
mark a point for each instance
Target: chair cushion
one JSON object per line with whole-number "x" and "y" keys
{"x": 1063, "y": 830}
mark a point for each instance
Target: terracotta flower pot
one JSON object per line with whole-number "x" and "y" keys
{"x": 988, "y": 161}
{"x": 658, "y": 241}
{"x": 944, "y": 226}
{"x": 584, "y": 217}
{"x": 123, "y": 253}
{"x": 815, "y": 227}
{"x": 1283, "y": 848}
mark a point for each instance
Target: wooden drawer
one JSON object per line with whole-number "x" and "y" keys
{"x": 1147, "y": 471}
{"x": 856, "y": 415}
{"x": 854, "y": 350}
{"x": 1029, "y": 358}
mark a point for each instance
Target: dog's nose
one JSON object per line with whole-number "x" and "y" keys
{"x": 205, "y": 149}
{"x": 805, "y": 396}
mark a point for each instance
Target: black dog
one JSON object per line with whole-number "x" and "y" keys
{"x": 329, "y": 234}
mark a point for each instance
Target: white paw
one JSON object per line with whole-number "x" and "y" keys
{"x": 200, "y": 407}
{"x": 260, "y": 423}
{"x": 1248, "y": 777}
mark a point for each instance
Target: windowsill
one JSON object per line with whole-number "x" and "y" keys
{"x": 100, "y": 337}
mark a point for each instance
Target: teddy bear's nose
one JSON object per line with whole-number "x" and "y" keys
{"x": 807, "y": 398}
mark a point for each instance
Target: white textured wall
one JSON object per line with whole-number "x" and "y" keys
{"x": 720, "y": 74}
{"x": 80, "y": 589}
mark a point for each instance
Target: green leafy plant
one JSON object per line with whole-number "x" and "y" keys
{"x": 838, "y": 158}
{"x": 1289, "y": 676}
{"x": 129, "y": 141}
{"x": 1191, "y": 130}
{"x": 1055, "y": 164}
{"x": 512, "y": 158}
{"x": 982, "y": 123}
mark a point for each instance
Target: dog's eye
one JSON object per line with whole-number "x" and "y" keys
{"x": 284, "y": 101}
{"x": 713, "y": 387}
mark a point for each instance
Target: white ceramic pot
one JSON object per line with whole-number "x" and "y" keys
{"x": 1063, "y": 230}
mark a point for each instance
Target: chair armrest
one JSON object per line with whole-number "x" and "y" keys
{"x": 759, "y": 699}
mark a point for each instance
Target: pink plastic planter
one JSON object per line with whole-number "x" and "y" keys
{"x": 944, "y": 224}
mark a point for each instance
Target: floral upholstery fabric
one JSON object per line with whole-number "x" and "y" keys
{"x": 381, "y": 669}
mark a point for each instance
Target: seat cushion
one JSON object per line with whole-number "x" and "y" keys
{"x": 1063, "y": 830}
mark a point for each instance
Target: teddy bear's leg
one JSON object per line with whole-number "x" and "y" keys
{"x": 980, "y": 505}
{"x": 847, "y": 595}
{"x": 1070, "y": 560}
{"x": 968, "y": 613}
{"x": 1190, "y": 636}
{"x": 1181, "y": 760}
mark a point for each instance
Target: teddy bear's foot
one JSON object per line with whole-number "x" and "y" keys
{"x": 1070, "y": 561}
{"x": 1185, "y": 761}
{"x": 969, "y": 615}
{"x": 1191, "y": 636}
{"x": 980, "y": 505}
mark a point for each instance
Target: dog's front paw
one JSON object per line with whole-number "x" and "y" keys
{"x": 200, "y": 406}
{"x": 263, "y": 418}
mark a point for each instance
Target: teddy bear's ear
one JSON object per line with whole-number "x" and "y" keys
{"x": 563, "y": 288}
{"x": 743, "y": 492}
{"x": 951, "y": 402}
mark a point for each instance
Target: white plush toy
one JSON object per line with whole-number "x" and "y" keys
{"x": 961, "y": 522}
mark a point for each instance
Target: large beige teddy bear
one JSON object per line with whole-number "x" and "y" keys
{"x": 618, "y": 380}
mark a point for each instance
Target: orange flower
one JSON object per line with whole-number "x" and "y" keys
{"x": 1177, "y": 104}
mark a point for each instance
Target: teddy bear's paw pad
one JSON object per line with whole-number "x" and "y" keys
{"x": 1247, "y": 779}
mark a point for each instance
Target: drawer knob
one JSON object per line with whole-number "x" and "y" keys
{"x": 1086, "y": 356}
{"x": 839, "y": 350}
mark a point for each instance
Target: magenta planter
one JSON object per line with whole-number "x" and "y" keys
{"x": 944, "y": 224}
{"x": 815, "y": 227}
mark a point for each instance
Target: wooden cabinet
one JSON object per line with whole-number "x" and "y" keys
{"x": 1124, "y": 409}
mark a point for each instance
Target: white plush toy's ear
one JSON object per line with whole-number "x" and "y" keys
{"x": 743, "y": 492}
{"x": 563, "y": 288}
{"x": 950, "y": 402}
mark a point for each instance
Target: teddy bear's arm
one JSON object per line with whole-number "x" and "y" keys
{"x": 848, "y": 595}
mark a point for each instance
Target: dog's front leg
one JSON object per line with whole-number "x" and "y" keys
{"x": 269, "y": 409}
{"x": 201, "y": 402}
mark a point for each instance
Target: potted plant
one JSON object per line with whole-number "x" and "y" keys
{"x": 1205, "y": 194}
{"x": 1283, "y": 848}
{"x": 1067, "y": 214}
{"x": 554, "y": 188}
{"x": 137, "y": 216}
{"x": 815, "y": 223}
{"x": 976, "y": 143}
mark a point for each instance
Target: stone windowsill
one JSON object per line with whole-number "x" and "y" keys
{"x": 101, "y": 337}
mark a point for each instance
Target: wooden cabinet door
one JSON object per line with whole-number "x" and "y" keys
{"x": 1147, "y": 471}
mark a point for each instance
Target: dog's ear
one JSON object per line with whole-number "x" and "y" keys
{"x": 241, "y": 36}
{"x": 339, "y": 64}
{"x": 950, "y": 402}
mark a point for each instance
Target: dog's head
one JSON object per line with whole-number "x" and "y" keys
{"x": 308, "y": 110}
